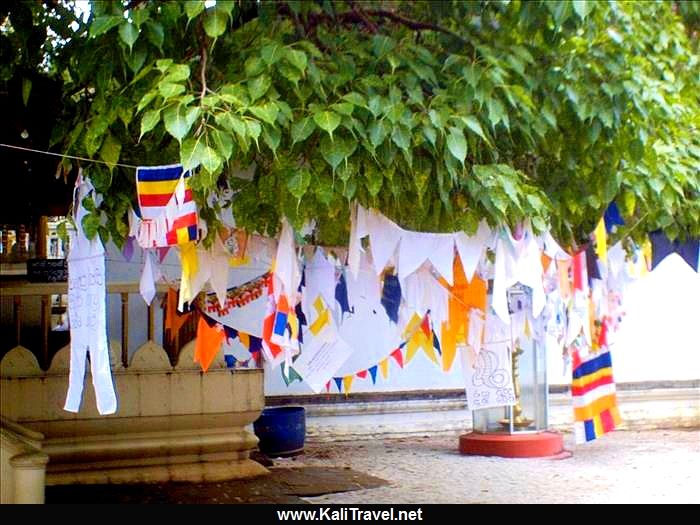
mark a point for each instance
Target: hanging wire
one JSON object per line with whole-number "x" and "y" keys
{"x": 63, "y": 155}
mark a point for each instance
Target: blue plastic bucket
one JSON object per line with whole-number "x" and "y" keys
{"x": 281, "y": 431}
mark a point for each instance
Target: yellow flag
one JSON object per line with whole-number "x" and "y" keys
{"x": 647, "y": 252}
{"x": 601, "y": 242}
{"x": 429, "y": 350}
{"x": 384, "y": 367}
{"x": 449, "y": 346}
{"x": 190, "y": 267}
{"x": 347, "y": 383}
{"x": 323, "y": 316}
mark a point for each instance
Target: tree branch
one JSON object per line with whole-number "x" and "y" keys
{"x": 203, "y": 74}
{"x": 363, "y": 16}
{"x": 203, "y": 61}
{"x": 370, "y": 25}
{"x": 414, "y": 24}
{"x": 133, "y": 4}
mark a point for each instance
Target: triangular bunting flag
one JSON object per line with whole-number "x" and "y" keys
{"x": 384, "y": 367}
{"x": 328, "y": 386}
{"x": 362, "y": 374}
{"x": 231, "y": 333}
{"x": 373, "y": 373}
{"x": 347, "y": 383}
{"x": 339, "y": 383}
{"x": 391, "y": 297}
{"x": 286, "y": 377}
{"x": 436, "y": 343}
{"x": 396, "y": 354}
{"x": 425, "y": 325}
{"x": 208, "y": 342}
{"x": 420, "y": 337}
{"x": 255, "y": 343}
{"x": 341, "y": 295}
{"x": 429, "y": 350}
{"x": 230, "y": 361}
{"x": 546, "y": 261}
{"x": 294, "y": 375}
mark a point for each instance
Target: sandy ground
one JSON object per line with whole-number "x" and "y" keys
{"x": 660, "y": 466}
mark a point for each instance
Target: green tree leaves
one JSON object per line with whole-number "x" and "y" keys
{"x": 258, "y": 86}
{"x": 128, "y": 33}
{"x": 457, "y": 144}
{"x": 328, "y": 121}
{"x": 178, "y": 120}
{"x": 302, "y": 129}
{"x": 215, "y": 21}
{"x": 539, "y": 110}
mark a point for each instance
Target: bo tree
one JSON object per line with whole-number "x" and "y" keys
{"x": 436, "y": 113}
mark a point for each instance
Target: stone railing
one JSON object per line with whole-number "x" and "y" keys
{"x": 173, "y": 422}
{"x": 30, "y": 323}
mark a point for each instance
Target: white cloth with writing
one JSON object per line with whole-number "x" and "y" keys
{"x": 87, "y": 313}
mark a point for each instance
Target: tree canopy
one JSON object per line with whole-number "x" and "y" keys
{"x": 436, "y": 113}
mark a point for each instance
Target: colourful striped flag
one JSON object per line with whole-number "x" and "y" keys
{"x": 594, "y": 396}
{"x": 165, "y": 199}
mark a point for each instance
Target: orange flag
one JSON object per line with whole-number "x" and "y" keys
{"x": 564, "y": 280}
{"x": 546, "y": 261}
{"x": 208, "y": 344}
{"x": 464, "y": 296}
{"x": 173, "y": 319}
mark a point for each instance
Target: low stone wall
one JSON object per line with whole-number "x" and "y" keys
{"x": 22, "y": 464}
{"x": 642, "y": 407}
{"x": 172, "y": 423}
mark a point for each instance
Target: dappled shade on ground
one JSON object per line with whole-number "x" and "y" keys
{"x": 282, "y": 485}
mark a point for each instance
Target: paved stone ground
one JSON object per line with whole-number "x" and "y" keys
{"x": 658, "y": 466}
{"x": 661, "y": 466}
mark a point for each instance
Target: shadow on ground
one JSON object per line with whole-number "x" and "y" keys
{"x": 282, "y": 485}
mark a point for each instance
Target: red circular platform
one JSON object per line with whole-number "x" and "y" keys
{"x": 505, "y": 445}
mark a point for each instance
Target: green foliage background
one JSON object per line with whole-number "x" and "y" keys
{"x": 436, "y": 113}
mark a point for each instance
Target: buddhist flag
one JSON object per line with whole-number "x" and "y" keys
{"x": 594, "y": 396}
{"x": 164, "y": 193}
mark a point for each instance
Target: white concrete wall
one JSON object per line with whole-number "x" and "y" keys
{"x": 659, "y": 338}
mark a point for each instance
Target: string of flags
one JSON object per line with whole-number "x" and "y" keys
{"x": 419, "y": 335}
{"x": 437, "y": 285}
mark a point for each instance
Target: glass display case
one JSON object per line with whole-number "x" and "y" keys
{"x": 529, "y": 369}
